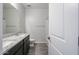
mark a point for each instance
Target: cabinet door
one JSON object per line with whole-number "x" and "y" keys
{"x": 20, "y": 51}
{"x": 26, "y": 45}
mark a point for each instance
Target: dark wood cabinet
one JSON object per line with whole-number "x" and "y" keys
{"x": 19, "y": 52}
{"x": 21, "y": 48}
{"x": 26, "y": 45}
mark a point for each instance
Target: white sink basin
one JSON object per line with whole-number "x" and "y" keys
{"x": 10, "y": 38}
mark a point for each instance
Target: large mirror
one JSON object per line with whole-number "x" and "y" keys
{"x": 11, "y": 20}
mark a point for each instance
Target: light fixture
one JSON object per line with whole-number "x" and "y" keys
{"x": 28, "y": 5}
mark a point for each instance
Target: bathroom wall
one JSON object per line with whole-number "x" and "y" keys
{"x": 22, "y": 19}
{"x": 78, "y": 29}
{"x": 1, "y": 17}
{"x": 78, "y": 20}
{"x": 36, "y": 20}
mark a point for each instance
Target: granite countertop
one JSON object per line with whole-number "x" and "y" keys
{"x": 11, "y": 41}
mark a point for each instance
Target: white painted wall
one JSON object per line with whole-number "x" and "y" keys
{"x": 36, "y": 24}
{"x": 78, "y": 29}
{"x": 78, "y": 20}
{"x": 22, "y": 18}
{"x": 1, "y": 17}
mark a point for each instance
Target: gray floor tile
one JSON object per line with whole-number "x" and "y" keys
{"x": 39, "y": 49}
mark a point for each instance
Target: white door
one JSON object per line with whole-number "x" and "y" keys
{"x": 1, "y": 21}
{"x": 63, "y": 28}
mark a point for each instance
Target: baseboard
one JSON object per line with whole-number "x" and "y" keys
{"x": 40, "y": 42}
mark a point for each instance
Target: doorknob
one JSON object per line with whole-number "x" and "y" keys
{"x": 48, "y": 38}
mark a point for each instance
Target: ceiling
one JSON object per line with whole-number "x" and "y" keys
{"x": 28, "y": 5}
{"x": 8, "y": 5}
{"x": 36, "y": 5}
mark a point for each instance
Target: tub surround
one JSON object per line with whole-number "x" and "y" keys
{"x": 11, "y": 41}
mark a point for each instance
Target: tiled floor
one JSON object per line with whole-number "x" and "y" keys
{"x": 39, "y": 49}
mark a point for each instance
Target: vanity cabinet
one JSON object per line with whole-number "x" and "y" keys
{"x": 26, "y": 45}
{"x": 21, "y": 48}
{"x": 15, "y": 49}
